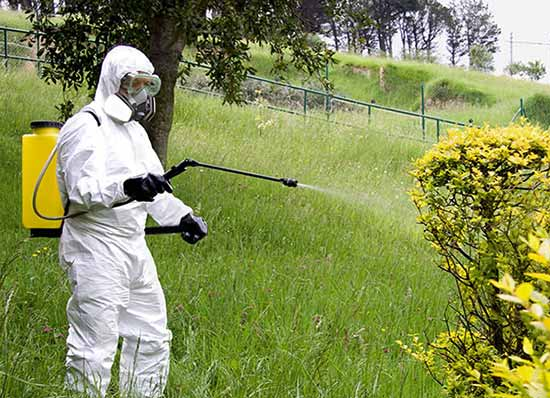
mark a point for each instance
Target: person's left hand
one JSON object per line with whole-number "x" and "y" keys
{"x": 193, "y": 228}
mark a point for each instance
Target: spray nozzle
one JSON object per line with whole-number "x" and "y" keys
{"x": 289, "y": 182}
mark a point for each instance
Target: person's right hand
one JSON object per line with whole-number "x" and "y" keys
{"x": 144, "y": 189}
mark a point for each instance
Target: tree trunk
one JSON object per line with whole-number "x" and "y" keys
{"x": 334, "y": 30}
{"x": 165, "y": 50}
{"x": 381, "y": 41}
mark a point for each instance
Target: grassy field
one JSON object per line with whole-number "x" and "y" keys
{"x": 14, "y": 19}
{"x": 295, "y": 292}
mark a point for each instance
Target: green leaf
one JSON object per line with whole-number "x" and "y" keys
{"x": 527, "y": 346}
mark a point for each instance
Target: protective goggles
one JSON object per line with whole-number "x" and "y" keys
{"x": 136, "y": 82}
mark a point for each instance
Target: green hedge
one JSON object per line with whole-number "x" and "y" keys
{"x": 537, "y": 109}
{"x": 444, "y": 92}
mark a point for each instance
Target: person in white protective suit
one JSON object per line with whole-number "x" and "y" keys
{"x": 105, "y": 158}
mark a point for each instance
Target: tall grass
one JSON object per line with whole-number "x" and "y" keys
{"x": 14, "y": 19}
{"x": 294, "y": 293}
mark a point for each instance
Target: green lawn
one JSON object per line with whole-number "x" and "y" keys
{"x": 294, "y": 293}
{"x": 14, "y": 19}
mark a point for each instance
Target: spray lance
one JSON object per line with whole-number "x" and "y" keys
{"x": 183, "y": 165}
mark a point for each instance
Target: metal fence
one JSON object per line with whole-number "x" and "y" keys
{"x": 331, "y": 103}
{"x": 17, "y": 45}
{"x": 297, "y": 100}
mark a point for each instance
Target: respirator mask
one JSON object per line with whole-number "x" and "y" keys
{"x": 135, "y": 98}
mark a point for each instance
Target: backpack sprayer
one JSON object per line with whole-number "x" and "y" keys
{"x": 39, "y": 151}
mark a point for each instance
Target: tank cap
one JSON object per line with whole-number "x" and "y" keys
{"x": 37, "y": 124}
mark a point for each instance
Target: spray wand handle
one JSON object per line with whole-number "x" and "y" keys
{"x": 180, "y": 168}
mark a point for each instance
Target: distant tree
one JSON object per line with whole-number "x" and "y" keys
{"x": 419, "y": 27}
{"x": 367, "y": 38}
{"x": 433, "y": 16}
{"x": 456, "y": 45}
{"x": 349, "y": 25}
{"x": 479, "y": 28}
{"x": 410, "y": 28}
{"x": 312, "y": 14}
{"x": 515, "y": 68}
{"x": 21, "y": 4}
{"x": 220, "y": 33}
{"x": 385, "y": 14}
{"x": 334, "y": 11}
{"x": 358, "y": 27}
{"x": 481, "y": 59}
{"x": 535, "y": 70}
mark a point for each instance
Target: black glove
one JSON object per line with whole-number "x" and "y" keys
{"x": 144, "y": 189}
{"x": 193, "y": 228}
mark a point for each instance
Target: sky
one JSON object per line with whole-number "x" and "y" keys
{"x": 529, "y": 21}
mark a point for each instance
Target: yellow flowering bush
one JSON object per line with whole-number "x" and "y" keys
{"x": 478, "y": 192}
{"x": 528, "y": 375}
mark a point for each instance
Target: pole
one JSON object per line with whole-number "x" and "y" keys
{"x": 38, "y": 53}
{"x": 522, "y": 108}
{"x": 182, "y": 166}
{"x": 423, "y": 111}
{"x": 370, "y": 112}
{"x": 6, "y": 48}
{"x": 327, "y": 96}
{"x": 511, "y": 50}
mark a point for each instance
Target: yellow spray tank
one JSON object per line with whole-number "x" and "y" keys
{"x": 36, "y": 150}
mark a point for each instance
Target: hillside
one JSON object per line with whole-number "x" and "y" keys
{"x": 474, "y": 95}
{"x": 452, "y": 93}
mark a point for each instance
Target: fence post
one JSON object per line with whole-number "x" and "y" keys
{"x": 5, "y": 47}
{"x": 38, "y": 53}
{"x": 327, "y": 95}
{"x": 437, "y": 129}
{"x": 370, "y": 112}
{"x": 423, "y": 111}
{"x": 522, "y": 108}
{"x": 305, "y": 102}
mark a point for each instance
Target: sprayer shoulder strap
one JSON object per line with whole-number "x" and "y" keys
{"x": 91, "y": 112}
{"x": 68, "y": 204}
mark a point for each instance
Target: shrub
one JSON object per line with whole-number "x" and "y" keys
{"x": 478, "y": 192}
{"x": 528, "y": 376}
{"x": 537, "y": 108}
{"x": 444, "y": 91}
{"x": 255, "y": 91}
{"x": 534, "y": 70}
{"x": 481, "y": 59}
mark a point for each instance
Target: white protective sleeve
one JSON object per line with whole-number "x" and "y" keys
{"x": 81, "y": 162}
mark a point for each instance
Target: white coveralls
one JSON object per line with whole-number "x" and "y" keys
{"x": 114, "y": 283}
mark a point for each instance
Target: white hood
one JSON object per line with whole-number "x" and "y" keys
{"x": 117, "y": 63}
